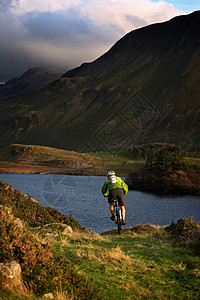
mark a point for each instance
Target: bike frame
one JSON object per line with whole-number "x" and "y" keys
{"x": 118, "y": 215}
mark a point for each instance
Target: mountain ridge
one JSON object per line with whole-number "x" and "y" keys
{"x": 147, "y": 92}
{"x": 32, "y": 79}
{"x": 178, "y": 22}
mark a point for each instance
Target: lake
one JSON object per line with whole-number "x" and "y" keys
{"x": 81, "y": 196}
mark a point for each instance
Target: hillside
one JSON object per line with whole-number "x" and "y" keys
{"x": 33, "y": 79}
{"x": 18, "y": 158}
{"x": 148, "y": 262}
{"x": 144, "y": 89}
{"x": 56, "y": 159}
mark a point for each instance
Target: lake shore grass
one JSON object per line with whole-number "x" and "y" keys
{"x": 144, "y": 262}
{"x": 148, "y": 265}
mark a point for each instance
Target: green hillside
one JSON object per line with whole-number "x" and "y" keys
{"x": 144, "y": 89}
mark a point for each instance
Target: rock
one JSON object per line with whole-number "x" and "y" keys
{"x": 19, "y": 223}
{"x": 49, "y": 296}
{"x": 67, "y": 229}
{"x": 10, "y": 275}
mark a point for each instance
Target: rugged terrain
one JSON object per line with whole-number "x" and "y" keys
{"x": 33, "y": 79}
{"x": 144, "y": 89}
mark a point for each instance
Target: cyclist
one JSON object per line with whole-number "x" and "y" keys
{"x": 117, "y": 189}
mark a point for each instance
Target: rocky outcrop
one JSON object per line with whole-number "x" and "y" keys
{"x": 10, "y": 276}
{"x": 67, "y": 229}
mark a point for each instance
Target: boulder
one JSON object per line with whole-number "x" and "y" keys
{"x": 67, "y": 229}
{"x": 10, "y": 275}
{"x": 49, "y": 296}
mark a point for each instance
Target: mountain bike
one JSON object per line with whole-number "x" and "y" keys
{"x": 118, "y": 215}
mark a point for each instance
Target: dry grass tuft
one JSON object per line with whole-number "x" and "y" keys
{"x": 63, "y": 295}
{"x": 116, "y": 254}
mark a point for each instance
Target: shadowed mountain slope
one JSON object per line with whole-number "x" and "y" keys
{"x": 33, "y": 79}
{"x": 144, "y": 89}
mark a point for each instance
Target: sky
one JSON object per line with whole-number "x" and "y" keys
{"x": 62, "y": 34}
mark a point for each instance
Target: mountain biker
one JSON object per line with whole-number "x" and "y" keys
{"x": 117, "y": 189}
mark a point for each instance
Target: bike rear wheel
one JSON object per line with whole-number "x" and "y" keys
{"x": 118, "y": 221}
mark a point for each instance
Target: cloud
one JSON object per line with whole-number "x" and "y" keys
{"x": 68, "y": 28}
{"x": 7, "y": 4}
{"x": 65, "y": 33}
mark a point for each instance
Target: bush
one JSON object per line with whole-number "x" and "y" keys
{"x": 166, "y": 160}
{"x": 17, "y": 244}
{"x": 188, "y": 232}
{"x": 181, "y": 226}
{"x": 43, "y": 269}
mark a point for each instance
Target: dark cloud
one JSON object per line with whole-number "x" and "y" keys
{"x": 63, "y": 34}
{"x": 52, "y": 39}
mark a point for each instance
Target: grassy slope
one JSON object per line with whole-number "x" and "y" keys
{"x": 130, "y": 266}
{"x": 62, "y": 161}
{"x": 142, "y": 263}
{"x": 37, "y": 159}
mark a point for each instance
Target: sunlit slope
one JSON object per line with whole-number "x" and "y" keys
{"x": 47, "y": 156}
{"x": 144, "y": 89}
{"x": 19, "y": 158}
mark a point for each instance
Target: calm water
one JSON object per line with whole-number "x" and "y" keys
{"x": 81, "y": 196}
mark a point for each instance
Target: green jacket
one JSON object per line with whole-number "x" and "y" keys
{"x": 110, "y": 186}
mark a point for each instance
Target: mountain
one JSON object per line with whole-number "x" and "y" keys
{"x": 33, "y": 79}
{"x": 144, "y": 89}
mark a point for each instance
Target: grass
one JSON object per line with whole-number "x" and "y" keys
{"x": 18, "y": 158}
{"x": 192, "y": 161}
{"x": 122, "y": 162}
{"x": 133, "y": 266}
{"x": 144, "y": 262}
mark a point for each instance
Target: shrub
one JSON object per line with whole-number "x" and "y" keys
{"x": 166, "y": 160}
{"x": 31, "y": 212}
{"x": 188, "y": 232}
{"x": 17, "y": 244}
{"x": 181, "y": 226}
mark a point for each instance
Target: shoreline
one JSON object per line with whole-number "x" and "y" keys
{"x": 15, "y": 168}
{"x": 147, "y": 185}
